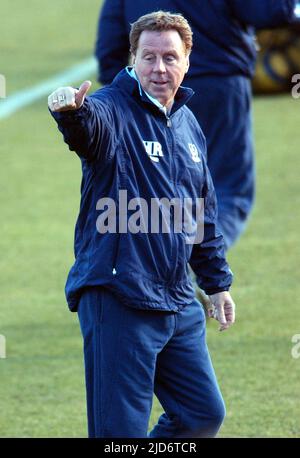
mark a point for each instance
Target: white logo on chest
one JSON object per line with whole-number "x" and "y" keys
{"x": 154, "y": 150}
{"x": 194, "y": 152}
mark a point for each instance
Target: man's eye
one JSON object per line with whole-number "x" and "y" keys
{"x": 170, "y": 58}
{"x": 148, "y": 58}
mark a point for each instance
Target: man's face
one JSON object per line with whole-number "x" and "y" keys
{"x": 161, "y": 63}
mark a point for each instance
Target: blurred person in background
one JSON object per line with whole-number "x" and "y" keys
{"x": 222, "y": 65}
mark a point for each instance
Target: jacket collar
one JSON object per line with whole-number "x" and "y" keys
{"x": 131, "y": 86}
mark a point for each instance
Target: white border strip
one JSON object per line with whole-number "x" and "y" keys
{"x": 25, "y": 97}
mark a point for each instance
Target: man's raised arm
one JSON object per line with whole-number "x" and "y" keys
{"x": 85, "y": 122}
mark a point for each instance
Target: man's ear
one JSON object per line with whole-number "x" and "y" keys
{"x": 132, "y": 59}
{"x": 187, "y": 63}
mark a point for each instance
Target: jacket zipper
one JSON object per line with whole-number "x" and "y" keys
{"x": 169, "y": 134}
{"x": 116, "y": 256}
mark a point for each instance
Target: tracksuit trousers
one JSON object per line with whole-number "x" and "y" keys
{"x": 131, "y": 353}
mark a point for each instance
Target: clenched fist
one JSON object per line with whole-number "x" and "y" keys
{"x": 68, "y": 98}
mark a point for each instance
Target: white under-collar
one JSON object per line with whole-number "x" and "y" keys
{"x": 131, "y": 72}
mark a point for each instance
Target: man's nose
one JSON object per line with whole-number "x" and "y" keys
{"x": 159, "y": 66}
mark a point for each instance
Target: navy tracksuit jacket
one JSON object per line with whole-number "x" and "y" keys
{"x": 146, "y": 270}
{"x": 222, "y": 63}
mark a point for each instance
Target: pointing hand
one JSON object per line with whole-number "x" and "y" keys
{"x": 68, "y": 98}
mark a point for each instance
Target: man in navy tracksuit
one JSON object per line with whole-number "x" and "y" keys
{"x": 141, "y": 222}
{"x": 222, "y": 64}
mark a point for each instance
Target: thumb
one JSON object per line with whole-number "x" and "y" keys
{"x": 81, "y": 94}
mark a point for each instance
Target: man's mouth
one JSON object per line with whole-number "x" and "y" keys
{"x": 159, "y": 83}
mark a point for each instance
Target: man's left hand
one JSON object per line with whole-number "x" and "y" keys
{"x": 223, "y": 309}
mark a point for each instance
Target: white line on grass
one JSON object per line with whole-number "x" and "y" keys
{"x": 25, "y": 97}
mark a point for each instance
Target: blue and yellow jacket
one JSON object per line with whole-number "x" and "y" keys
{"x": 130, "y": 148}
